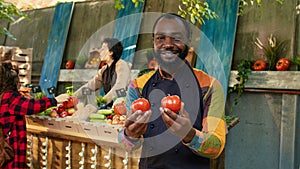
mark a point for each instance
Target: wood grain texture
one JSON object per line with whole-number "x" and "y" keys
{"x": 127, "y": 28}
{"x": 56, "y": 45}
{"x": 221, "y": 34}
{"x": 287, "y": 80}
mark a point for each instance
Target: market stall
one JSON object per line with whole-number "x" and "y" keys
{"x": 85, "y": 139}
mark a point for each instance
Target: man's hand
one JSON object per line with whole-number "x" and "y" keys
{"x": 178, "y": 124}
{"x": 136, "y": 123}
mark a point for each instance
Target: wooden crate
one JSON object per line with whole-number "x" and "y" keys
{"x": 20, "y": 57}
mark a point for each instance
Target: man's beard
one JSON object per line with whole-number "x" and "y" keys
{"x": 172, "y": 65}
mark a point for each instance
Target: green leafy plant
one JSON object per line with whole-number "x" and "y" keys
{"x": 9, "y": 12}
{"x": 244, "y": 69}
{"x": 197, "y": 10}
{"x": 69, "y": 90}
{"x": 101, "y": 100}
{"x": 296, "y": 61}
{"x": 245, "y": 3}
{"x": 119, "y": 4}
{"x": 273, "y": 51}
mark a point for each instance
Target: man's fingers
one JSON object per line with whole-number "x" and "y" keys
{"x": 182, "y": 111}
{"x": 138, "y": 117}
{"x": 137, "y": 123}
{"x": 169, "y": 113}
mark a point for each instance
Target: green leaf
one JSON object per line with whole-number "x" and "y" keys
{"x": 9, "y": 13}
{"x": 192, "y": 18}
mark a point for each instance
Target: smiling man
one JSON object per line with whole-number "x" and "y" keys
{"x": 175, "y": 140}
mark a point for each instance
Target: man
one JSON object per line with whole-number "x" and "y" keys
{"x": 184, "y": 139}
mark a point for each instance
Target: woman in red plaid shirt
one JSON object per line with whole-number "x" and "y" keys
{"x": 13, "y": 108}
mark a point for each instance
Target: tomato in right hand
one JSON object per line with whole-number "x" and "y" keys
{"x": 171, "y": 102}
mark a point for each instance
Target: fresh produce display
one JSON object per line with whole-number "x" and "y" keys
{"x": 107, "y": 116}
{"x": 259, "y": 65}
{"x": 85, "y": 118}
{"x": 140, "y": 104}
{"x": 171, "y": 102}
{"x": 101, "y": 102}
{"x": 120, "y": 108}
{"x": 58, "y": 112}
{"x": 72, "y": 101}
{"x": 283, "y": 64}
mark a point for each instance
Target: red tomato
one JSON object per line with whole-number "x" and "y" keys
{"x": 70, "y": 64}
{"x": 171, "y": 102}
{"x": 72, "y": 102}
{"x": 283, "y": 64}
{"x": 259, "y": 65}
{"x": 120, "y": 108}
{"x": 140, "y": 104}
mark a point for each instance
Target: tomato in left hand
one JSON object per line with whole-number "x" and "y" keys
{"x": 171, "y": 102}
{"x": 283, "y": 64}
{"x": 140, "y": 104}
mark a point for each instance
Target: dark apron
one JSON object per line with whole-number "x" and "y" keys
{"x": 161, "y": 149}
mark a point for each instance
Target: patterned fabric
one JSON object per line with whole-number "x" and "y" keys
{"x": 14, "y": 107}
{"x": 210, "y": 141}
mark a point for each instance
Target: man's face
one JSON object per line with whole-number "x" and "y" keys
{"x": 170, "y": 40}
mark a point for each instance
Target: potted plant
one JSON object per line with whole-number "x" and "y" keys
{"x": 273, "y": 51}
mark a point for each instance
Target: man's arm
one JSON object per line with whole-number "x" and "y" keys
{"x": 128, "y": 143}
{"x": 210, "y": 141}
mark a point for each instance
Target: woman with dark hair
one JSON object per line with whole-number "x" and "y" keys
{"x": 13, "y": 108}
{"x": 114, "y": 75}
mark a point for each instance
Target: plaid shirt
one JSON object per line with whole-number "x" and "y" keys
{"x": 14, "y": 107}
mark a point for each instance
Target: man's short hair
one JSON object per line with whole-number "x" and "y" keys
{"x": 175, "y": 16}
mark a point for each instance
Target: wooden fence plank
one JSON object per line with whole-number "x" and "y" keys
{"x": 127, "y": 28}
{"x": 221, "y": 33}
{"x": 56, "y": 45}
